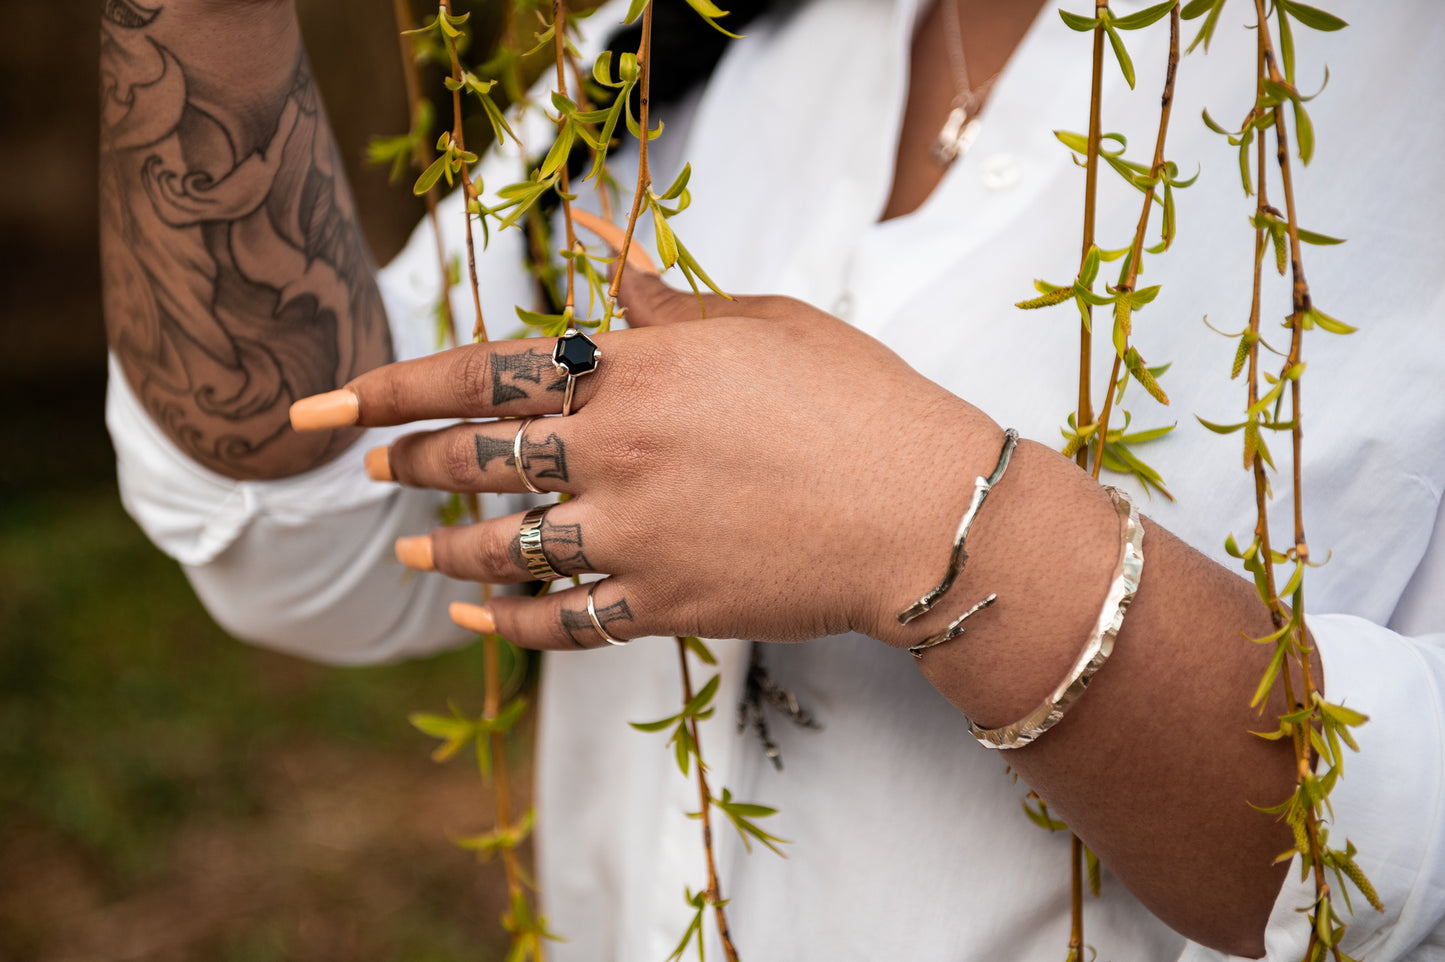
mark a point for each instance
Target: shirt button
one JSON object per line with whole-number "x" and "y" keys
{"x": 999, "y": 172}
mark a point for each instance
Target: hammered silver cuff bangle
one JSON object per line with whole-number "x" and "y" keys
{"x": 957, "y": 556}
{"x": 1101, "y": 640}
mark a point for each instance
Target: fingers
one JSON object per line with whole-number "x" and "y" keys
{"x": 560, "y": 621}
{"x": 496, "y": 379}
{"x": 482, "y": 456}
{"x": 650, "y": 301}
{"x": 492, "y": 551}
{"x": 613, "y": 236}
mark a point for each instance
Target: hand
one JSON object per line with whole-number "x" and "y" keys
{"x": 767, "y": 473}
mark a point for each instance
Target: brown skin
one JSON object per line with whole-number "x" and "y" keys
{"x": 1153, "y": 767}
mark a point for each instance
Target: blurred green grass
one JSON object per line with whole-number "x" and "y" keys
{"x": 134, "y": 734}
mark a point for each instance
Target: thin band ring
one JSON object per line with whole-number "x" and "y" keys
{"x": 531, "y": 542}
{"x": 596, "y": 623}
{"x": 517, "y": 457}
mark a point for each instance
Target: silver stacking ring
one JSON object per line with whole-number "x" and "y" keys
{"x": 596, "y": 623}
{"x": 574, "y": 356}
{"x": 517, "y": 457}
{"x": 531, "y": 541}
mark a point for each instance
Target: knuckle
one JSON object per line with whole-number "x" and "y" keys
{"x": 470, "y": 374}
{"x": 493, "y": 553}
{"x": 458, "y": 460}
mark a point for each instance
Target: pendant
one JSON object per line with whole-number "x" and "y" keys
{"x": 957, "y": 135}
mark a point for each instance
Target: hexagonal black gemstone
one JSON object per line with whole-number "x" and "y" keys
{"x": 576, "y": 352}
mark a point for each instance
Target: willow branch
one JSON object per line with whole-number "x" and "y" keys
{"x": 420, "y": 155}
{"x": 469, "y": 193}
{"x": 1085, "y": 413}
{"x": 714, "y": 888}
{"x": 644, "y": 174}
{"x": 559, "y": 47}
{"x": 1136, "y": 252}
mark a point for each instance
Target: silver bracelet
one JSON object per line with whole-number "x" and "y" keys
{"x": 957, "y": 557}
{"x": 1101, "y": 640}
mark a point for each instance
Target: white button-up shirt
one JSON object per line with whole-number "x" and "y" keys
{"x": 907, "y": 839}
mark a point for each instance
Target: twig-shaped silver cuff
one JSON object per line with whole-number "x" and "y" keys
{"x": 1101, "y": 639}
{"x": 957, "y": 557}
{"x": 954, "y": 629}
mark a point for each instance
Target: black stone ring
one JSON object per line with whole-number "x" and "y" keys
{"x": 574, "y": 356}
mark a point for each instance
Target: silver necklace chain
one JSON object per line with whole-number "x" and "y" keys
{"x": 959, "y": 130}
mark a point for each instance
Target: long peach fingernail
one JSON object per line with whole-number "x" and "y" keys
{"x": 378, "y": 464}
{"x": 613, "y": 236}
{"x": 473, "y": 617}
{"x": 320, "y": 412}
{"x": 416, "y": 553}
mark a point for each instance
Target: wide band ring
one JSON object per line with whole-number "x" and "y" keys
{"x": 596, "y": 623}
{"x": 531, "y": 542}
{"x": 517, "y": 457}
{"x": 574, "y": 356}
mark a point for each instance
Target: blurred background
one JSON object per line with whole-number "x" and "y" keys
{"x": 167, "y": 793}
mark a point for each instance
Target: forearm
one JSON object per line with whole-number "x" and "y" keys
{"x": 236, "y": 278}
{"x": 1154, "y": 766}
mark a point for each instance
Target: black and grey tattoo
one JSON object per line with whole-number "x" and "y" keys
{"x": 578, "y": 626}
{"x": 546, "y": 458}
{"x": 562, "y": 544}
{"x": 236, "y": 276}
{"x": 512, "y": 373}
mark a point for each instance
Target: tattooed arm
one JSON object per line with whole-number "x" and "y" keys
{"x": 236, "y": 279}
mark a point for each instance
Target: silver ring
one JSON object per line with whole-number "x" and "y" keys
{"x": 531, "y": 542}
{"x": 574, "y": 355}
{"x": 517, "y": 457}
{"x": 592, "y": 613}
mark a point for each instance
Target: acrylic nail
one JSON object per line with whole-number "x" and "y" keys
{"x": 321, "y": 412}
{"x": 473, "y": 617}
{"x": 416, "y": 553}
{"x": 378, "y": 464}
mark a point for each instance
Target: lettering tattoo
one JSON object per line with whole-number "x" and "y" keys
{"x": 512, "y": 373}
{"x": 562, "y": 544}
{"x": 542, "y": 459}
{"x": 577, "y": 626}
{"x": 236, "y": 278}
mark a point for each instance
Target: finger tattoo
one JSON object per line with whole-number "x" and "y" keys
{"x": 542, "y": 459}
{"x": 575, "y": 623}
{"x": 512, "y": 373}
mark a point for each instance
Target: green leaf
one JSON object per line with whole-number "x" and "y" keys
{"x": 655, "y": 726}
{"x": 1145, "y": 17}
{"x": 1077, "y": 22}
{"x": 1206, "y": 32}
{"x": 1315, "y": 316}
{"x": 700, "y": 650}
{"x": 1126, "y": 64}
{"x": 1314, "y": 18}
{"x": 561, "y": 148}
{"x": 701, "y": 700}
{"x": 1286, "y": 41}
{"x": 666, "y": 240}
{"x": 1320, "y": 240}
{"x": 431, "y": 175}
{"x": 1304, "y": 132}
{"x": 1090, "y": 269}
{"x": 678, "y": 186}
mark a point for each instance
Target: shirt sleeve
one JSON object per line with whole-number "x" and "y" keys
{"x": 305, "y": 564}
{"x": 1389, "y": 801}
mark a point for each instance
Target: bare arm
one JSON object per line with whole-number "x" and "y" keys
{"x": 1154, "y": 767}
{"x": 236, "y": 279}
